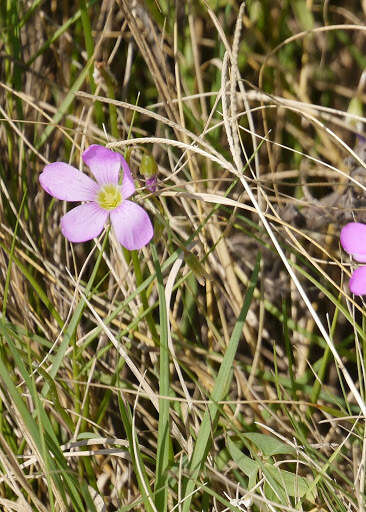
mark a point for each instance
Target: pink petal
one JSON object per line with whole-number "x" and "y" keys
{"x": 131, "y": 225}
{"x": 83, "y": 222}
{"x": 353, "y": 240}
{"x": 357, "y": 283}
{"x": 104, "y": 163}
{"x": 67, "y": 183}
{"x": 128, "y": 186}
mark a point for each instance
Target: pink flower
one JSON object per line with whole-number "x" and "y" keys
{"x": 353, "y": 241}
{"x": 104, "y": 198}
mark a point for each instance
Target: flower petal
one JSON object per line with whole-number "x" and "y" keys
{"x": 83, "y": 222}
{"x": 67, "y": 183}
{"x": 132, "y": 225}
{"x": 128, "y": 186}
{"x": 357, "y": 283}
{"x": 104, "y": 164}
{"x": 353, "y": 240}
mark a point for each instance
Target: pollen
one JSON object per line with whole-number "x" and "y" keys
{"x": 109, "y": 197}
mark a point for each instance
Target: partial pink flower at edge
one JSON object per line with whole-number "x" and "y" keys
{"x": 353, "y": 241}
{"x": 105, "y": 198}
{"x": 357, "y": 283}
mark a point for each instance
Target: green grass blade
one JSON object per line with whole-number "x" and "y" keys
{"x": 162, "y": 459}
{"x": 137, "y": 462}
{"x": 89, "y": 44}
{"x": 289, "y": 352}
{"x": 11, "y": 255}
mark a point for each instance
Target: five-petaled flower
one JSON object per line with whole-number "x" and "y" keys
{"x": 105, "y": 198}
{"x": 353, "y": 241}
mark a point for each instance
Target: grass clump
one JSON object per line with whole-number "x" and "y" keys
{"x": 221, "y": 366}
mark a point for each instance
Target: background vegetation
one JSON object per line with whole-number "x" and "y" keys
{"x": 222, "y": 367}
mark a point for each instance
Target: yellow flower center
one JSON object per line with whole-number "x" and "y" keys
{"x": 109, "y": 197}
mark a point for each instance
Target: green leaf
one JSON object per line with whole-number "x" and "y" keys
{"x": 294, "y": 485}
{"x": 248, "y": 466}
{"x": 86, "y": 435}
{"x": 268, "y": 445}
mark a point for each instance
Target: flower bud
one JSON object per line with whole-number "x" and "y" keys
{"x": 149, "y": 169}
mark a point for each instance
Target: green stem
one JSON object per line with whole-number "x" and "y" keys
{"x": 324, "y": 364}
